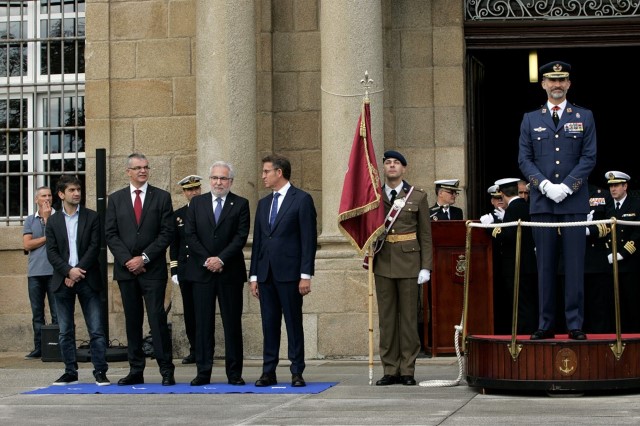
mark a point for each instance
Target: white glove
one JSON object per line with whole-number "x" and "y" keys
{"x": 543, "y": 186}
{"x": 424, "y": 276}
{"x": 566, "y": 189}
{"x": 555, "y": 192}
{"x": 486, "y": 219}
{"x": 499, "y": 213}
{"x": 610, "y": 257}
{"x": 590, "y": 216}
{"x": 174, "y": 278}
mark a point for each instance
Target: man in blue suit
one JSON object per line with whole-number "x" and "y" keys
{"x": 557, "y": 153}
{"x": 282, "y": 264}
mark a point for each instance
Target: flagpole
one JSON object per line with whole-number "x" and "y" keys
{"x": 370, "y": 274}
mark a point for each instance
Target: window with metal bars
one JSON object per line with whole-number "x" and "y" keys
{"x": 42, "y": 126}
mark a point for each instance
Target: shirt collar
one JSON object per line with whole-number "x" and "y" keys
{"x": 143, "y": 188}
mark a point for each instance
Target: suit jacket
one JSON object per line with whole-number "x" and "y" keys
{"x": 224, "y": 239}
{"x": 437, "y": 213}
{"x": 126, "y": 239}
{"x": 405, "y": 259}
{"x": 179, "y": 249}
{"x": 289, "y": 249}
{"x": 561, "y": 154}
{"x": 87, "y": 245}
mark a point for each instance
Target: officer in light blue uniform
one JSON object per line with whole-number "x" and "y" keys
{"x": 557, "y": 152}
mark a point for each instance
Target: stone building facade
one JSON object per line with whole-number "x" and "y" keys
{"x": 188, "y": 82}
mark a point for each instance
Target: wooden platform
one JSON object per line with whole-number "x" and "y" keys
{"x": 558, "y": 364}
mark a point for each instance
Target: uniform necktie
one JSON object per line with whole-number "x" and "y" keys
{"x": 137, "y": 206}
{"x": 617, "y": 206}
{"x": 274, "y": 209}
{"x": 393, "y": 195}
{"x": 218, "y": 210}
{"x": 555, "y": 117}
{"x": 446, "y": 211}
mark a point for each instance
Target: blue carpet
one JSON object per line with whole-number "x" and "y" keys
{"x": 180, "y": 388}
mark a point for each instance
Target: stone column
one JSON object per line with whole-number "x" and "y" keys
{"x": 351, "y": 42}
{"x": 225, "y": 64}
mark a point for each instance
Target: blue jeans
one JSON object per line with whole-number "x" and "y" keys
{"x": 92, "y": 312}
{"x": 39, "y": 288}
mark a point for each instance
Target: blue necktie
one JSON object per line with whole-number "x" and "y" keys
{"x": 274, "y": 209}
{"x": 218, "y": 210}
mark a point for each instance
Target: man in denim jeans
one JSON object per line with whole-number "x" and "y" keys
{"x": 39, "y": 269}
{"x": 73, "y": 246}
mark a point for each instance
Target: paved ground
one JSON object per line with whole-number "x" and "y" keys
{"x": 352, "y": 402}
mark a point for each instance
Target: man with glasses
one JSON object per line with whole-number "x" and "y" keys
{"x": 139, "y": 229}
{"x": 444, "y": 209}
{"x": 216, "y": 228}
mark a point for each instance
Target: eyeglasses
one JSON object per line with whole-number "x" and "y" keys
{"x": 522, "y": 192}
{"x": 220, "y": 178}
{"x": 138, "y": 168}
{"x": 266, "y": 171}
{"x": 450, "y": 192}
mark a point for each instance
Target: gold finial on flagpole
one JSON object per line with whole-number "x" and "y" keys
{"x": 367, "y": 83}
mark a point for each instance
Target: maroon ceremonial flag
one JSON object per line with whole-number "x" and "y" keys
{"x": 361, "y": 214}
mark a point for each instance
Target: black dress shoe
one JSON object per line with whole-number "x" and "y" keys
{"x": 189, "y": 359}
{"x": 34, "y": 354}
{"x": 542, "y": 334}
{"x": 131, "y": 379}
{"x": 266, "y": 380}
{"x": 408, "y": 380}
{"x": 387, "y": 380}
{"x": 297, "y": 381}
{"x": 200, "y": 381}
{"x": 168, "y": 379}
{"x": 236, "y": 381}
{"x": 577, "y": 334}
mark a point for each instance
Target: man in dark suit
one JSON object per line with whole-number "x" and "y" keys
{"x": 401, "y": 266}
{"x": 625, "y": 208}
{"x": 139, "y": 228}
{"x": 217, "y": 228}
{"x": 179, "y": 254}
{"x": 557, "y": 151}
{"x": 282, "y": 264}
{"x": 446, "y": 193}
{"x": 73, "y": 246}
{"x": 517, "y": 208}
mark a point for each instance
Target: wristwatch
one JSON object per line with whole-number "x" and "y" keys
{"x": 145, "y": 258}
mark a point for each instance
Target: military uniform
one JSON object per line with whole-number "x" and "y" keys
{"x": 179, "y": 255}
{"x": 552, "y": 155}
{"x": 627, "y": 242}
{"x": 407, "y": 250}
{"x": 438, "y": 212}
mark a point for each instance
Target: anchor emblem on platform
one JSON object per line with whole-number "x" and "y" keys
{"x": 566, "y": 362}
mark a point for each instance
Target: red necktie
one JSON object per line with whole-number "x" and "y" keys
{"x": 555, "y": 117}
{"x": 137, "y": 206}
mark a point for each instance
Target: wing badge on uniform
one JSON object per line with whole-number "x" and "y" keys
{"x": 539, "y": 129}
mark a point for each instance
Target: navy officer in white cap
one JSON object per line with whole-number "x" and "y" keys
{"x": 444, "y": 209}
{"x": 178, "y": 255}
{"x": 557, "y": 152}
{"x": 625, "y": 208}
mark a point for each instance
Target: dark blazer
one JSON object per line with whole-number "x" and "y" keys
{"x": 518, "y": 209}
{"x": 225, "y": 239}
{"x": 290, "y": 248}
{"x": 87, "y": 244}
{"x": 562, "y": 154}
{"x": 126, "y": 239}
